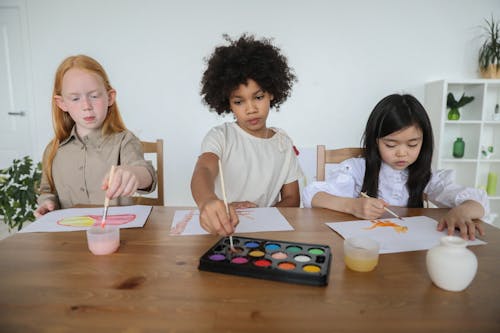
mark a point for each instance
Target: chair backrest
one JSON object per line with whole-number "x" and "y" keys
{"x": 325, "y": 156}
{"x": 154, "y": 148}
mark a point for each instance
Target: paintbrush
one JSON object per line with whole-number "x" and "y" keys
{"x": 225, "y": 202}
{"x": 363, "y": 194}
{"x": 106, "y": 199}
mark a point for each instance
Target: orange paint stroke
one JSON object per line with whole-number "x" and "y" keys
{"x": 378, "y": 223}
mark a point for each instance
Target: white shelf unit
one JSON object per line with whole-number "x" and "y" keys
{"x": 477, "y": 128}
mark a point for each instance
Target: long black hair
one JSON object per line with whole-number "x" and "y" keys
{"x": 393, "y": 113}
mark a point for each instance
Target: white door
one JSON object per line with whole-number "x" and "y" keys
{"x": 15, "y": 134}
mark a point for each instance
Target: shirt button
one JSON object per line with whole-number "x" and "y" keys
{"x": 80, "y": 168}
{"x": 82, "y": 189}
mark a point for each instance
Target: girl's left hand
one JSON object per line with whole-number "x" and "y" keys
{"x": 460, "y": 217}
{"x": 123, "y": 184}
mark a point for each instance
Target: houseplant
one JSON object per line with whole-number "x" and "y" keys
{"x": 18, "y": 191}
{"x": 454, "y": 105}
{"x": 489, "y": 53}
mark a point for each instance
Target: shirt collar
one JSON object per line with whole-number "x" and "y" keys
{"x": 93, "y": 138}
{"x": 389, "y": 172}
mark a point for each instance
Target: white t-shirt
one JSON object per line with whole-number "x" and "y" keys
{"x": 346, "y": 180}
{"x": 255, "y": 169}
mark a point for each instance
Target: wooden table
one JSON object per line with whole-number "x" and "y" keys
{"x": 51, "y": 282}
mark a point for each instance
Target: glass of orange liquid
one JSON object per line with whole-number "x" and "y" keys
{"x": 361, "y": 254}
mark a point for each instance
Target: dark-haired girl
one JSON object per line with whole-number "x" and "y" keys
{"x": 246, "y": 78}
{"x": 396, "y": 170}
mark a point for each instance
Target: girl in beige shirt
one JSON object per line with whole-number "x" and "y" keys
{"x": 90, "y": 137}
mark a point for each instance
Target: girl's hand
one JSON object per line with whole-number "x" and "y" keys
{"x": 461, "y": 217}
{"x": 214, "y": 219}
{"x": 124, "y": 183}
{"x": 44, "y": 208}
{"x": 242, "y": 204}
{"x": 368, "y": 208}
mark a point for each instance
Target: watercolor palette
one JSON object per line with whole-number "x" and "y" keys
{"x": 270, "y": 259}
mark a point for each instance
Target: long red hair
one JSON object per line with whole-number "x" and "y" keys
{"x": 62, "y": 121}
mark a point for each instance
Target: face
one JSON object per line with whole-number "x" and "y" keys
{"x": 401, "y": 149}
{"x": 85, "y": 98}
{"x": 250, "y": 105}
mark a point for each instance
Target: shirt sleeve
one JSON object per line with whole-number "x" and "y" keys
{"x": 443, "y": 192}
{"x": 131, "y": 153}
{"x": 341, "y": 181}
{"x": 214, "y": 142}
{"x": 46, "y": 192}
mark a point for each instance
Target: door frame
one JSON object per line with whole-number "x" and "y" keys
{"x": 21, "y": 6}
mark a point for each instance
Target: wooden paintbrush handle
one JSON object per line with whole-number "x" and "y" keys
{"x": 110, "y": 179}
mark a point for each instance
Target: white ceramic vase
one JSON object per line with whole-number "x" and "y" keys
{"x": 451, "y": 265}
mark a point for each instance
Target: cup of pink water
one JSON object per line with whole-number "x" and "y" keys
{"x": 103, "y": 241}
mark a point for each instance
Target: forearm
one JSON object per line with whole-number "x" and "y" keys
{"x": 340, "y": 204}
{"x": 288, "y": 201}
{"x": 202, "y": 186}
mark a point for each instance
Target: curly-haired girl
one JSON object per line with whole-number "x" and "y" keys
{"x": 259, "y": 163}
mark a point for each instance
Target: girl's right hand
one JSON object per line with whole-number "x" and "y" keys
{"x": 44, "y": 208}
{"x": 368, "y": 208}
{"x": 214, "y": 218}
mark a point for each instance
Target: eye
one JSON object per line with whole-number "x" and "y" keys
{"x": 390, "y": 146}
{"x": 259, "y": 97}
{"x": 236, "y": 102}
{"x": 413, "y": 145}
{"x": 74, "y": 99}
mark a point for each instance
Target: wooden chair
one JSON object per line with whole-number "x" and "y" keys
{"x": 154, "y": 148}
{"x": 325, "y": 156}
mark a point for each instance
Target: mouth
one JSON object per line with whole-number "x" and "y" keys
{"x": 401, "y": 163}
{"x": 254, "y": 121}
{"x": 89, "y": 119}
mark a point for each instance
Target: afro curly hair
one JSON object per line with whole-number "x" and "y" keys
{"x": 244, "y": 59}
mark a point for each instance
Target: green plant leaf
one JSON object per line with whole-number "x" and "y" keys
{"x": 18, "y": 191}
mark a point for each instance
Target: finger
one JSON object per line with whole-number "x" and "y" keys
{"x": 472, "y": 230}
{"x": 234, "y": 217}
{"x": 451, "y": 229}
{"x": 441, "y": 225}
{"x": 463, "y": 231}
{"x": 226, "y": 226}
{"x": 479, "y": 227}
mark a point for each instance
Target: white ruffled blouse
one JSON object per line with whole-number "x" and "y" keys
{"x": 346, "y": 180}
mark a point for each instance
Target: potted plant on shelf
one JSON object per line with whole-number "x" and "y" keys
{"x": 454, "y": 105}
{"x": 18, "y": 191}
{"x": 489, "y": 53}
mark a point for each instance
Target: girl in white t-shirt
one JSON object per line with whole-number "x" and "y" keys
{"x": 396, "y": 170}
{"x": 259, "y": 163}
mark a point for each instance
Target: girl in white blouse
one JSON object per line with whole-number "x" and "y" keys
{"x": 396, "y": 171}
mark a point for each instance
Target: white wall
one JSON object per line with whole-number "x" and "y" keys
{"x": 347, "y": 55}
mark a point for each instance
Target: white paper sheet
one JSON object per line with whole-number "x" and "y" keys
{"x": 410, "y": 234}
{"x": 187, "y": 222}
{"x": 74, "y": 219}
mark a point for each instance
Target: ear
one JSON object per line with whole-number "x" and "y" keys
{"x": 111, "y": 97}
{"x": 60, "y": 103}
{"x": 271, "y": 97}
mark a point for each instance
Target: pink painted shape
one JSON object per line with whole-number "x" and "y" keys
{"x": 117, "y": 219}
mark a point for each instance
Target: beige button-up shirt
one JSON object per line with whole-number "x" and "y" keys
{"x": 81, "y": 164}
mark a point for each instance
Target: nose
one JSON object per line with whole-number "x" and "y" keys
{"x": 251, "y": 107}
{"x": 401, "y": 151}
{"x": 86, "y": 104}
